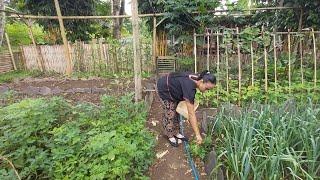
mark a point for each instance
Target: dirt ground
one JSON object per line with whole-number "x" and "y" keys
{"x": 171, "y": 163}
{"x": 74, "y": 90}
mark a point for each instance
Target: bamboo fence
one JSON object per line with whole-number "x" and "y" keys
{"x": 94, "y": 57}
{"x": 5, "y": 62}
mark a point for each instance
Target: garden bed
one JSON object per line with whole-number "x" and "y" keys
{"x": 75, "y": 90}
{"x": 262, "y": 141}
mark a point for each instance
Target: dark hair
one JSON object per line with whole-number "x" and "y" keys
{"x": 206, "y": 76}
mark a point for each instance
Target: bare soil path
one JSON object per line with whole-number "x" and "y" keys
{"x": 171, "y": 162}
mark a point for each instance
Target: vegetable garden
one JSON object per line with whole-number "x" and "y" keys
{"x": 78, "y": 100}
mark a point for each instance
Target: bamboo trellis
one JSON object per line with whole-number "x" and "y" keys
{"x": 265, "y": 55}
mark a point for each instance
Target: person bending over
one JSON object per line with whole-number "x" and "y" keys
{"x": 175, "y": 87}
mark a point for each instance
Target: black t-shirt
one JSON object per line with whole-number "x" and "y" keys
{"x": 180, "y": 87}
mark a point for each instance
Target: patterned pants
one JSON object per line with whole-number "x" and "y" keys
{"x": 170, "y": 120}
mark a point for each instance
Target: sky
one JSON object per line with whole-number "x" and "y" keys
{"x": 127, "y": 7}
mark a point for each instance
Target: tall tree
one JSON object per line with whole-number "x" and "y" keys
{"x": 117, "y": 9}
{"x": 76, "y": 29}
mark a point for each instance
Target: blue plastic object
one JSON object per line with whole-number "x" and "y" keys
{"x": 187, "y": 151}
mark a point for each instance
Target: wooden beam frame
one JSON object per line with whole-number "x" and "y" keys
{"x": 22, "y": 15}
{"x": 64, "y": 38}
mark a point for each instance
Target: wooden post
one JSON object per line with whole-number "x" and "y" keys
{"x": 106, "y": 54}
{"x": 101, "y": 59}
{"x": 154, "y": 43}
{"x": 195, "y": 51}
{"x": 275, "y": 60}
{"x": 71, "y": 51}
{"x": 289, "y": 60}
{"x": 23, "y": 59}
{"x": 265, "y": 68}
{"x": 64, "y": 38}
{"x": 239, "y": 66}
{"x": 227, "y": 68}
{"x": 94, "y": 54}
{"x": 315, "y": 58}
{"x": 218, "y": 62}
{"x": 301, "y": 60}
{"x": 11, "y": 53}
{"x": 40, "y": 64}
{"x": 208, "y": 52}
{"x": 218, "y": 53}
{"x": 252, "y": 64}
{"x": 136, "y": 51}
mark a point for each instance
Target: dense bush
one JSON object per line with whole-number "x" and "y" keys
{"x": 51, "y": 139}
{"x": 19, "y": 34}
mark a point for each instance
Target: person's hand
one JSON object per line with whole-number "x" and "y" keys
{"x": 199, "y": 139}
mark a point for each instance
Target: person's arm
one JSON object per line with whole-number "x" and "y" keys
{"x": 193, "y": 121}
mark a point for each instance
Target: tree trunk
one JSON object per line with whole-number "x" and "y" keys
{"x": 117, "y": 9}
{"x": 121, "y": 13}
{"x": 2, "y": 21}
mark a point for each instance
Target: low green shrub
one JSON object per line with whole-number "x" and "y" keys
{"x": 51, "y": 139}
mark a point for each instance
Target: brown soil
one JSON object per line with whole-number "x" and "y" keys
{"x": 114, "y": 87}
{"x": 174, "y": 164}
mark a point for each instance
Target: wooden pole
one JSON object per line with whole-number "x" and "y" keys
{"x": 40, "y": 65}
{"x": 265, "y": 68}
{"x": 227, "y": 67}
{"x": 195, "y": 52}
{"x": 289, "y": 60}
{"x": 101, "y": 58}
{"x": 275, "y": 60}
{"x": 315, "y": 58}
{"x": 64, "y": 38}
{"x": 208, "y": 52}
{"x": 252, "y": 64}
{"x": 21, "y": 15}
{"x": 11, "y": 53}
{"x": 301, "y": 60}
{"x": 239, "y": 66}
{"x": 136, "y": 51}
{"x": 154, "y": 43}
{"x": 218, "y": 55}
{"x": 218, "y": 64}
{"x": 23, "y": 59}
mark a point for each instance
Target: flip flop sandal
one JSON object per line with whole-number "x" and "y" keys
{"x": 174, "y": 144}
{"x": 183, "y": 138}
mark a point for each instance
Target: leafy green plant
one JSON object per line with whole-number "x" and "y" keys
{"x": 51, "y": 139}
{"x": 203, "y": 149}
{"x": 185, "y": 63}
{"x": 18, "y": 34}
